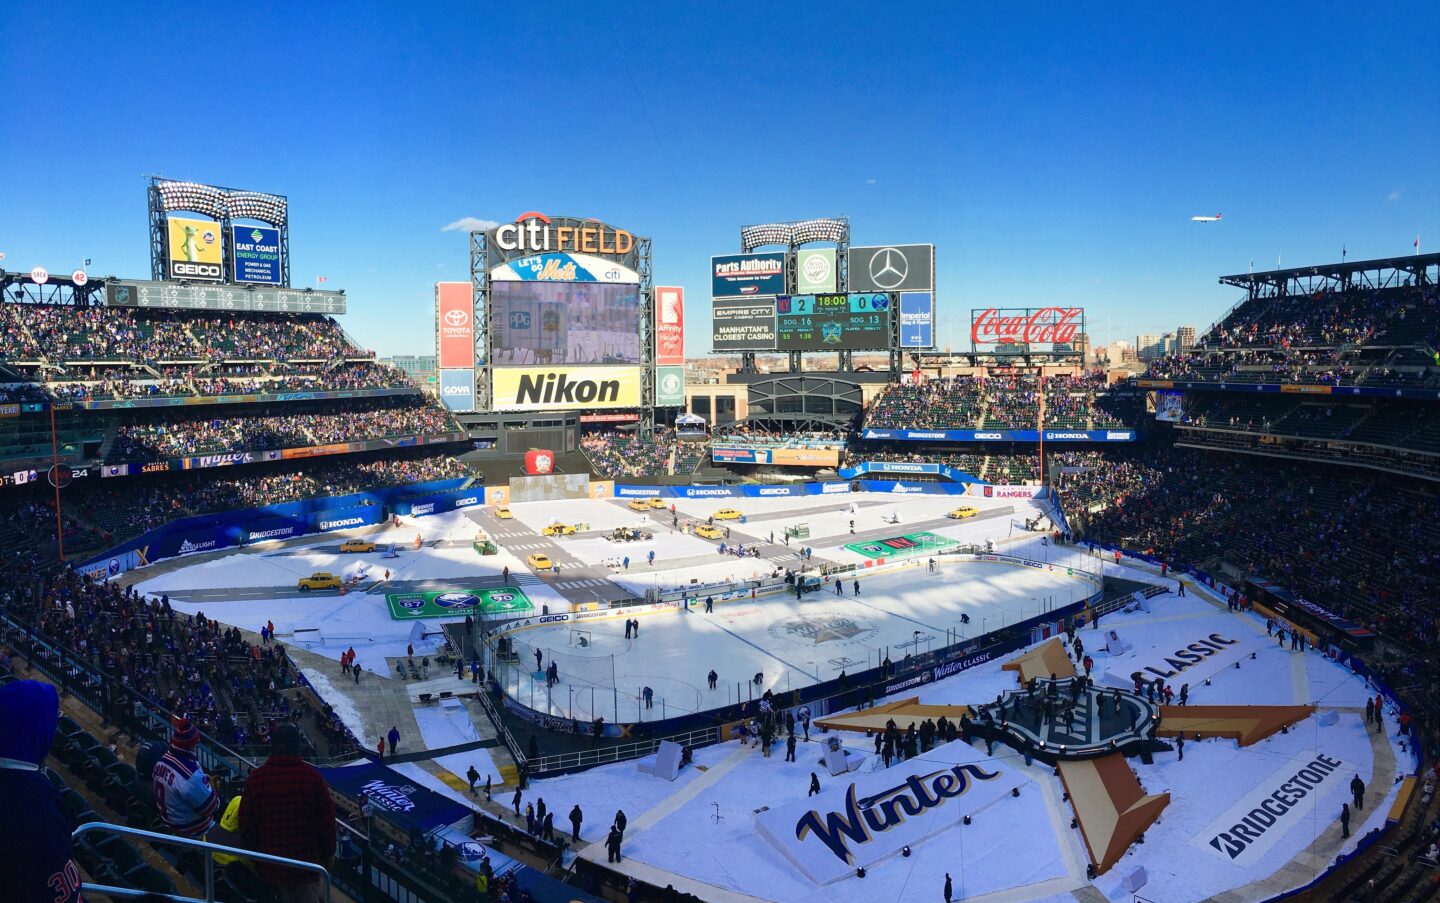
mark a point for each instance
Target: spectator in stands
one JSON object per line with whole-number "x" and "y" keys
{"x": 183, "y": 795}
{"x": 36, "y": 863}
{"x": 287, "y": 811}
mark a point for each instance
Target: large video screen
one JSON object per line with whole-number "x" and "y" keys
{"x": 854, "y": 322}
{"x": 538, "y": 323}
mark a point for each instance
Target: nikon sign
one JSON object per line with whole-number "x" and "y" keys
{"x": 566, "y": 388}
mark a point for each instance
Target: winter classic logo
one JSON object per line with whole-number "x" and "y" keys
{"x": 815, "y": 628}
{"x": 456, "y": 600}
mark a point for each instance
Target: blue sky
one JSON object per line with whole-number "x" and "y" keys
{"x": 1054, "y": 154}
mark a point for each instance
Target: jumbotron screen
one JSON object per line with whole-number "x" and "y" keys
{"x": 537, "y": 323}
{"x": 854, "y": 322}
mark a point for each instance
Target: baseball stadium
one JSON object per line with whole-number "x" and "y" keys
{"x": 828, "y": 601}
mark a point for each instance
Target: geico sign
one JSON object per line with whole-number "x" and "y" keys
{"x": 566, "y": 388}
{"x": 534, "y": 232}
{"x": 179, "y": 268}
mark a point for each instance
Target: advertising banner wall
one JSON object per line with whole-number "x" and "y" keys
{"x": 747, "y": 275}
{"x": 195, "y": 249}
{"x": 669, "y": 326}
{"x": 793, "y": 457}
{"x": 917, "y": 319}
{"x": 566, "y": 388}
{"x": 743, "y": 324}
{"x": 255, "y": 252}
{"x": 228, "y": 528}
{"x": 454, "y": 326}
{"x": 457, "y": 389}
{"x": 1001, "y": 435}
{"x": 815, "y": 271}
{"x": 670, "y": 387}
{"x": 903, "y": 467}
{"x": 892, "y": 268}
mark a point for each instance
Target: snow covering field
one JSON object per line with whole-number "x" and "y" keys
{"x": 790, "y": 642}
{"x": 1216, "y": 776}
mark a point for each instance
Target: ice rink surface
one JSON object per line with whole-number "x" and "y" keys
{"x": 790, "y": 642}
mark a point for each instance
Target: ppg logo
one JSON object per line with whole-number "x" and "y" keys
{"x": 519, "y": 319}
{"x": 456, "y": 600}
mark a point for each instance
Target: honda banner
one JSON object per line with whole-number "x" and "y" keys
{"x": 454, "y": 326}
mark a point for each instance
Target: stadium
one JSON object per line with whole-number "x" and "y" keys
{"x": 548, "y": 575}
{"x": 664, "y": 499}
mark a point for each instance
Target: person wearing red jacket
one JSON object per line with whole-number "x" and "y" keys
{"x": 286, "y": 810}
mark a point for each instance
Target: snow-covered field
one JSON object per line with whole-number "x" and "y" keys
{"x": 1018, "y": 849}
{"x": 1023, "y": 849}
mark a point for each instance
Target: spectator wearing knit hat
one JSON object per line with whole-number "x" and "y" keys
{"x": 183, "y": 795}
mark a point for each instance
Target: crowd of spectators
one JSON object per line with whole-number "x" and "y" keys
{"x": 95, "y": 384}
{"x": 616, "y": 455}
{"x": 175, "y": 437}
{"x": 998, "y": 401}
{"x": 232, "y": 689}
{"x": 66, "y": 333}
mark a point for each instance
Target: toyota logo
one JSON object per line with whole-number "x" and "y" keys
{"x": 456, "y": 318}
{"x": 888, "y": 268}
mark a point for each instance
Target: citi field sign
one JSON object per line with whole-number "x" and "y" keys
{"x": 535, "y": 233}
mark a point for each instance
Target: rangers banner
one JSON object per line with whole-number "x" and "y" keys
{"x": 454, "y": 326}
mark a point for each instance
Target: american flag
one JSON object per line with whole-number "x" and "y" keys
{"x": 319, "y": 279}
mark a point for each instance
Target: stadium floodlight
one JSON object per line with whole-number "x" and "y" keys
{"x": 221, "y": 203}
{"x": 836, "y": 230}
{"x": 268, "y": 208}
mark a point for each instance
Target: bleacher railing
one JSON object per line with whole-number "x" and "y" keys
{"x": 207, "y": 851}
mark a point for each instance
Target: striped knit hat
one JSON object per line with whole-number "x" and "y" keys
{"x": 185, "y": 735}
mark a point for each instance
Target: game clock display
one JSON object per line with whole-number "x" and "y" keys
{"x": 853, "y": 322}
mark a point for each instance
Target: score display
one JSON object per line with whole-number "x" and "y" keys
{"x": 853, "y": 322}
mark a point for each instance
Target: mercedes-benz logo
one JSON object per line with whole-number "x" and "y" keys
{"x": 888, "y": 268}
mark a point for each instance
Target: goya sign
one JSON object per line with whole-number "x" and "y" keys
{"x": 503, "y": 600}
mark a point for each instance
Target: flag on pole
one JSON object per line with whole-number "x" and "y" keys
{"x": 319, "y": 279}
{"x": 1417, "y": 244}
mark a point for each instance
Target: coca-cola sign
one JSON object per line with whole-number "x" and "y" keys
{"x": 1026, "y": 325}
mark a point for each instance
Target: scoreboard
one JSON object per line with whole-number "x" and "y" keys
{"x": 840, "y": 322}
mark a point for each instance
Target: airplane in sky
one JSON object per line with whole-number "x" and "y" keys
{"x": 1205, "y": 219}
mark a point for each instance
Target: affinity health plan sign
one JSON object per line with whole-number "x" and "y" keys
{"x": 502, "y": 600}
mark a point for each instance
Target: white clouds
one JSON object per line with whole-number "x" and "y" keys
{"x": 1395, "y": 195}
{"x": 869, "y": 181}
{"x": 470, "y": 224}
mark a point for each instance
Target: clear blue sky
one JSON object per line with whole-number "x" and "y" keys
{"x": 1054, "y": 153}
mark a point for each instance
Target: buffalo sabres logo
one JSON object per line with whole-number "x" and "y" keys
{"x": 830, "y": 333}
